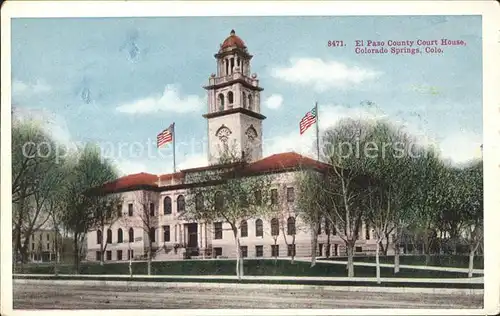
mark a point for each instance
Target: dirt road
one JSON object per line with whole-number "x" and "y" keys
{"x": 27, "y": 296}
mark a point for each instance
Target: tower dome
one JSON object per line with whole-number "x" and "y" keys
{"x": 232, "y": 41}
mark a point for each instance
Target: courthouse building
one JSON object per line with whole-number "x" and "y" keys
{"x": 234, "y": 121}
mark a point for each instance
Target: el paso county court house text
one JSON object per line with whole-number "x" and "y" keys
{"x": 406, "y": 47}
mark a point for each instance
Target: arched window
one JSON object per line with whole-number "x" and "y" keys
{"x": 230, "y": 97}
{"x": 244, "y": 228}
{"x": 220, "y": 102}
{"x": 120, "y": 235}
{"x": 367, "y": 231}
{"x": 244, "y": 98}
{"x": 131, "y": 235}
{"x": 250, "y": 102}
{"x": 199, "y": 201}
{"x": 181, "y": 205}
{"x": 219, "y": 201}
{"x": 99, "y": 237}
{"x": 275, "y": 227}
{"x": 259, "y": 231}
{"x": 290, "y": 225}
{"x": 167, "y": 205}
{"x": 109, "y": 237}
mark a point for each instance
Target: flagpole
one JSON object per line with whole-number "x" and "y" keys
{"x": 317, "y": 129}
{"x": 173, "y": 144}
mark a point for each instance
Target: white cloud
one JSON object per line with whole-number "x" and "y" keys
{"x": 322, "y": 75}
{"x": 52, "y": 123}
{"x": 22, "y": 88}
{"x": 169, "y": 101}
{"x": 461, "y": 147}
{"x": 193, "y": 161}
{"x": 274, "y": 101}
{"x": 126, "y": 166}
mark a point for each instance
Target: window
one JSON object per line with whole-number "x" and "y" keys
{"x": 334, "y": 230}
{"x": 151, "y": 209}
{"x": 250, "y": 102}
{"x": 130, "y": 209}
{"x": 359, "y": 249}
{"x": 243, "y": 200}
{"x": 48, "y": 246}
{"x": 219, "y": 201}
{"x": 258, "y": 197}
{"x": 119, "y": 210}
{"x": 109, "y": 236}
{"x": 98, "y": 255}
{"x": 166, "y": 233}
{"x": 290, "y": 194}
{"x": 291, "y": 250}
{"x": 167, "y": 205}
{"x": 181, "y": 204}
{"x": 119, "y": 255}
{"x": 131, "y": 235}
{"x": 274, "y": 196}
{"x": 33, "y": 246}
{"x": 320, "y": 250}
{"x": 367, "y": 232}
{"x": 152, "y": 234}
{"x": 259, "y": 231}
{"x": 244, "y": 251}
{"x": 230, "y": 97}
{"x": 218, "y": 230}
{"x": 199, "y": 202}
{"x": 120, "y": 235}
{"x": 290, "y": 225}
{"x": 108, "y": 255}
{"x": 259, "y": 251}
{"x": 275, "y": 227}
{"x": 244, "y": 98}
{"x": 221, "y": 102}
{"x": 218, "y": 252}
{"x": 48, "y": 237}
{"x": 275, "y": 250}
{"x": 319, "y": 226}
{"x": 99, "y": 237}
{"x": 244, "y": 228}
{"x": 130, "y": 254}
{"x": 327, "y": 228}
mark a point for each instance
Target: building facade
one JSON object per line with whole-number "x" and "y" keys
{"x": 151, "y": 204}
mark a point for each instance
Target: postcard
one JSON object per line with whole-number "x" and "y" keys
{"x": 305, "y": 158}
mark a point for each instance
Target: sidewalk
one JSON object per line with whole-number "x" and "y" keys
{"x": 391, "y": 265}
{"x": 475, "y": 280}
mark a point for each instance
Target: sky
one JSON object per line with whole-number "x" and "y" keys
{"x": 118, "y": 82}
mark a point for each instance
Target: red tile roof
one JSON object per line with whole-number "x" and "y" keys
{"x": 131, "y": 181}
{"x": 233, "y": 41}
{"x": 275, "y": 163}
{"x": 283, "y": 162}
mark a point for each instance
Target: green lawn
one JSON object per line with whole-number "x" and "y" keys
{"x": 439, "y": 261}
{"x": 227, "y": 267}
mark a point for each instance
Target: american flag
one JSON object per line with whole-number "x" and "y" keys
{"x": 308, "y": 120}
{"x": 166, "y": 136}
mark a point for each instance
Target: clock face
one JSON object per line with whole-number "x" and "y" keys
{"x": 223, "y": 134}
{"x": 251, "y": 133}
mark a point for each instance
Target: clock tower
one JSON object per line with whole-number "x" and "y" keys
{"x": 234, "y": 119}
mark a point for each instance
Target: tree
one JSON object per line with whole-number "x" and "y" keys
{"x": 344, "y": 183}
{"x": 226, "y": 192}
{"x": 86, "y": 171}
{"x": 34, "y": 176}
{"x": 473, "y": 208}
{"x": 148, "y": 220}
{"x": 104, "y": 215}
{"x": 310, "y": 204}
